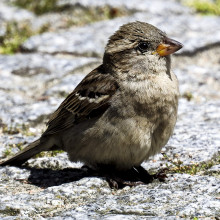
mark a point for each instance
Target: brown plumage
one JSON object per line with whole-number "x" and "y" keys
{"x": 123, "y": 111}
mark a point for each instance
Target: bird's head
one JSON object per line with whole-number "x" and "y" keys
{"x": 139, "y": 47}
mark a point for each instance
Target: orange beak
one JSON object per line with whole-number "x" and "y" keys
{"x": 168, "y": 47}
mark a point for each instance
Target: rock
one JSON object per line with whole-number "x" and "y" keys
{"x": 154, "y": 7}
{"x": 199, "y": 83}
{"x": 24, "y": 80}
{"x": 213, "y": 170}
{"x": 90, "y": 40}
{"x": 181, "y": 195}
{"x": 194, "y": 146}
{"x": 66, "y": 85}
{"x": 10, "y": 13}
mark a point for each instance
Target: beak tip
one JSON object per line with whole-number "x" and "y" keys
{"x": 181, "y": 45}
{"x": 173, "y": 42}
{"x": 169, "y": 46}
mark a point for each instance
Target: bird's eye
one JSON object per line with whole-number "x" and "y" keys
{"x": 143, "y": 46}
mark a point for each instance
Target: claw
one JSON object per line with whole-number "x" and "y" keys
{"x": 120, "y": 179}
{"x": 161, "y": 175}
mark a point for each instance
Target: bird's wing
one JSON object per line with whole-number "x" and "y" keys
{"x": 89, "y": 99}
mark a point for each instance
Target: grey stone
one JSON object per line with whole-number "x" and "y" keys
{"x": 194, "y": 146}
{"x": 66, "y": 85}
{"x": 154, "y": 7}
{"x": 50, "y": 21}
{"x": 199, "y": 75}
{"x": 17, "y": 109}
{"x": 90, "y": 40}
{"x": 214, "y": 170}
{"x": 24, "y": 80}
{"x": 2, "y": 29}
{"x": 181, "y": 195}
{"x": 39, "y": 65}
{"x": 10, "y": 13}
{"x": 200, "y": 82}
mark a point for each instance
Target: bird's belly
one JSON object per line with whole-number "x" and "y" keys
{"x": 122, "y": 143}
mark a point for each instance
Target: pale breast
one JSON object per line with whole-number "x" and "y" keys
{"x": 130, "y": 131}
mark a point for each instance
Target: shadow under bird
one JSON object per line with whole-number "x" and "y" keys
{"x": 122, "y": 112}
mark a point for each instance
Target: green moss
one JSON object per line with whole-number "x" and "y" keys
{"x": 39, "y": 7}
{"x": 81, "y": 16}
{"x": 188, "y": 96}
{"x": 77, "y": 15}
{"x": 10, "y": 130}
{"x": 63, "y": 94}
{"x": 48, "y": 153}
{"x": 192, "y": 169}
{"x": 206, "y": 7}
{"x": 9, "y": 211}
{"x": 45, "y": 6}
{"x": 15, "y": 34}
{"x": 20, "y": 146}
{"x": 23, "y": 129}
{"x": 8, "y": 150}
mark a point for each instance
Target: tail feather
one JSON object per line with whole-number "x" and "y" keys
{"x": 22, "y": 156}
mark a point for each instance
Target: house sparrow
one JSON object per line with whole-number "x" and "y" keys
{"x": 122, "y": 112}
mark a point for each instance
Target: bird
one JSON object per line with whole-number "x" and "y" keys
{"x": 122, "y": 112}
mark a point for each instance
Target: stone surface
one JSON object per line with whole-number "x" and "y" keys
{"x": 155, "y": 7}
{"x": 180, "y": 195}
{"x": 193, "y": 146}
{"x": 90, "y": 40}
{"x": 24, "y": 79}
{"x": 10, "y": 13}
{"x": 32, "y": 85}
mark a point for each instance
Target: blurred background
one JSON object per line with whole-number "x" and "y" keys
{"x": 21, "y": 19}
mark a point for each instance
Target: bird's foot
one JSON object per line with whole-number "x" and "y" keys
{"x": 134, "y": 177}
{"x": 120, "y": 179}
{"x": 119, "y": 183}
{"x": 161, "y": 175}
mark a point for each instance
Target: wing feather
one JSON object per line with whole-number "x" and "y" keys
{"x": 90, "y": 98}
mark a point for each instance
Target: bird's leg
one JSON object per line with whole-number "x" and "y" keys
{"x": 144, "y": 175}
{"x": 135, "y": 176}
{"x": 147, "y": 178}
{"x": 89, "y": 171}
{"x": 119, "y": 179}
{"x": 161, "y": 175}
